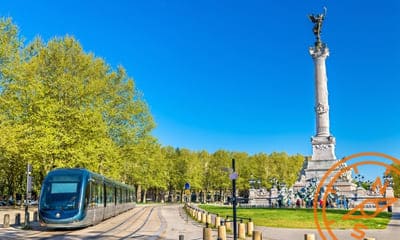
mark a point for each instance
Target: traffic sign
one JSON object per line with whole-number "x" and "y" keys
{"x": 187, "y": 185}
{"x": 233, "y": 176}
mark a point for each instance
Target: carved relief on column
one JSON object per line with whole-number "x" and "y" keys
{"x": 322, "y": 147}
{"x": 321, "y": 108}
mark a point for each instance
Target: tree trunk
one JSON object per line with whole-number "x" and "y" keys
{"x": 181, "y": 200}
{"x": 144, "y": 195}
{"x": 157, "y": 195}
{"x": 139, "y": 193}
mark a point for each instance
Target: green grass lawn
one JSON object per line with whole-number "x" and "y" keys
{"x": 299, "y": 218}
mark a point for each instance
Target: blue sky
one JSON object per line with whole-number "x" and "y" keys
{"x": 237, "y": 75}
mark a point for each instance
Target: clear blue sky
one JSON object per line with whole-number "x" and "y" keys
{"x": 237, "y": 75}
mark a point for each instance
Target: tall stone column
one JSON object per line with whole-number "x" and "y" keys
{"x": 323, "y": 143}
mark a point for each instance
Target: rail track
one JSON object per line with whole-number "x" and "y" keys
{"x": 142, "y": 222}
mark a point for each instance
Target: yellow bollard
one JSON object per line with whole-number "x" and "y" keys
{"x": 207, "y": 233}
{"x": 222, "y": 232}
{"x": 208, "y": 219}
{"x": 250, "y": 228}
{"x": 203, "y": 217}
{"x": 241, "y": 231}
{"x": 217, "y": 222}
{"x": 309, "y": 236}
{"x": 257, "y": 235}
{"x": 228, "y": 226}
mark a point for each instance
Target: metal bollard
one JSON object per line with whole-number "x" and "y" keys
{"x": 257, "y": 235}
{"x": 35, "y": 216}
{"x": 250, "y": 228}
{"x": 18, "y": 219}
{"x": 309, "y": 236}
{"x": 241, "y": 231}
{"x": 27, "y": 217}
{"x": 6, "y": 223}
{"x": 222, "y": 232}
{"x": 207, "y": 233}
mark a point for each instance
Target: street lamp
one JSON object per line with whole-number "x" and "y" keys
{"x": 274, "y": 182}
{"x": 252, "y": 182}
{"x": 388, "y": 179}
{"x": 259, "y": 183}
{"x": 359, "y": 179}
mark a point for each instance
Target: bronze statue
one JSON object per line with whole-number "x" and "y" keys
{"x": 317, "y": 19}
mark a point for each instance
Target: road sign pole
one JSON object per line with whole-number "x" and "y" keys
{"x": 234, "y": 201}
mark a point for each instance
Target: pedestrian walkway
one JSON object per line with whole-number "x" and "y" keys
{"x": 180, "y": 224}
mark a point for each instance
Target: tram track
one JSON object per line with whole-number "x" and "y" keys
{"x": 108, "y": 229}
{"x": 124, "y": 224}
{"x": 140, "y": 223}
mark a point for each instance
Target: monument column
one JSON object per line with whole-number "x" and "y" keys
{"x": 323, "y": 142}
{"x": 321, "y": 90}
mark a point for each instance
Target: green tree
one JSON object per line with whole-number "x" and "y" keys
{"x": 62, "y": 107}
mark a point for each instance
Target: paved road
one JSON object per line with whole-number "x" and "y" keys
{"x": 169, "y": 222}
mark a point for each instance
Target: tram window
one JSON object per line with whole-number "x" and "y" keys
{"x": 93, "y": 193}
{"x": 64, "y": 187}
{"x": 99, "y": 196}
{"x": 110, "y": 194}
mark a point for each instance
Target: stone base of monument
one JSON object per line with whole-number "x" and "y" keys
{"x": 316, "y": 170}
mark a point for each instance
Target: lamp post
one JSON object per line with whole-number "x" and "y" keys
{"x": 259, "y": 183}
{"x": 388, "y": 183}
{"x": 359, "y": 179}
{"x": 273, "y": 182}
{"x": 233, "y": 176}
{"x": 388, "y": 180}
{"x": 251, "y": 182}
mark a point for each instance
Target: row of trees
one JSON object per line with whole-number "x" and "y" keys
{"x": 63, "y": 107}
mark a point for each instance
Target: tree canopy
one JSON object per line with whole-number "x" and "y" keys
{"x": 63, "y": 107}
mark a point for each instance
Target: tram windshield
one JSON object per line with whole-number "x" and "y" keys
{"x": 61, "y": 192}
